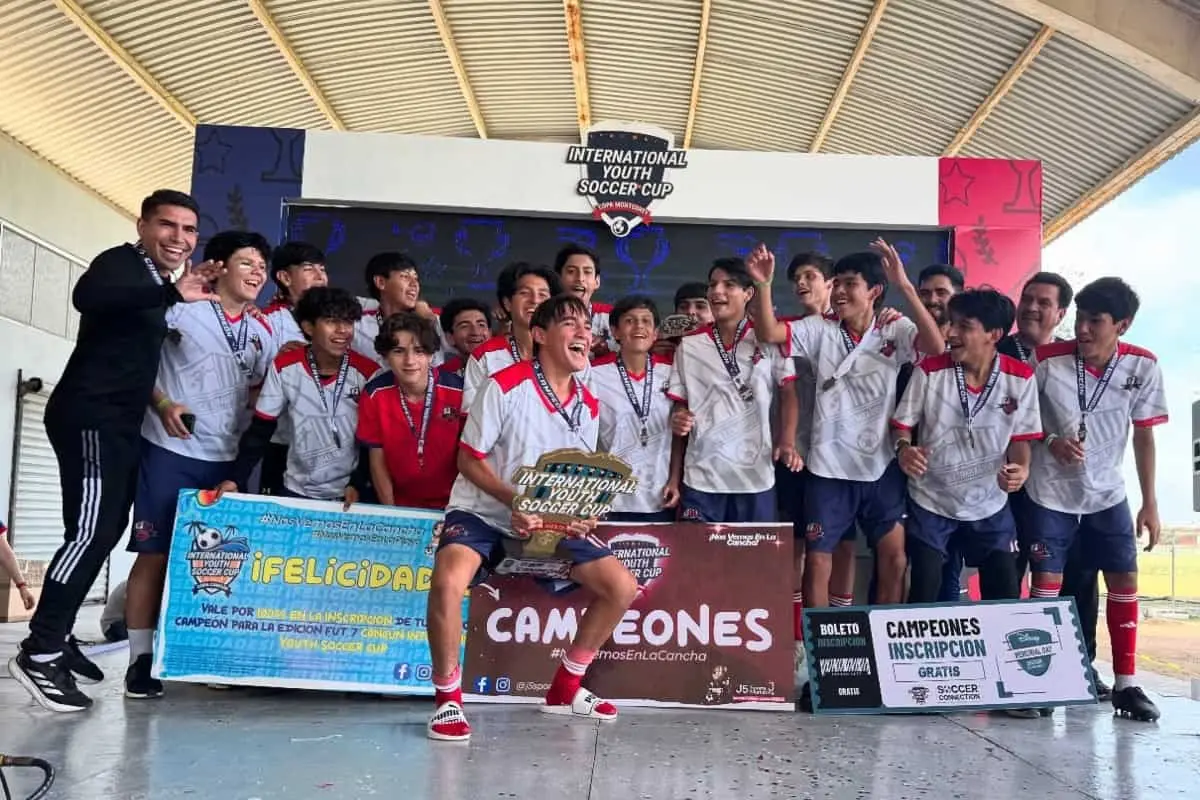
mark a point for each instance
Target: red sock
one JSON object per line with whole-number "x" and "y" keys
{"x": 798, "y": 616}
{"x": 1045, "y": 589}
{"x": 1122, "y": 613}
{"x": 569, "y": 676}
{"x": 448, "y": 688}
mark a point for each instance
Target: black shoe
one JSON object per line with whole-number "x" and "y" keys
{"x": 1132, "y": 702}
{"x": 805, "y": 700}
{"x": 139, "y": 683}
{"x": 84, "y": 668}
{"x": 50, "y": 683}
{"x": 1103, "y": 690}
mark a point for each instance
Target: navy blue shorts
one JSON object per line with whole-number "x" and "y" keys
{"x": 161, "y": 476}
{"x": 666, "y": 515}
{"x": 1106, "y": 539}
{"x": 698, "y": 506}
{"x": 789, "y": 494}
{"x": 974, "y": 540}
{"x": 468, "y": 530}
{"x": 833, "y": 507}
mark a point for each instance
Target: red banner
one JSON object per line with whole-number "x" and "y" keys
{"x": 712, "y": 626}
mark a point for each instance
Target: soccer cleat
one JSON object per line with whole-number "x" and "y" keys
{"x": 1103, "y": 690}
{"x": 1025, "y": 713}
{"x": 84, "y": 668}
{"x": 448, "y": 724}
{"x": 49, "y": 682}
{"x": 1132, "y": 702}
{"x": 586, "y": 705}
{"x": 140, "y": 684}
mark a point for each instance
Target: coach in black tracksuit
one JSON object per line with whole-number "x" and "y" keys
{"x": 93, "y": 420}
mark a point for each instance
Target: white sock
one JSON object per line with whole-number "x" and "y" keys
{"x": 43, "y": 658}
{"x": 1123, "y": 682}
{"x": 141, "y": 642}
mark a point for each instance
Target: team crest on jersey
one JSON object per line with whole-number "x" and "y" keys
{"x": 354, "y": 393}
{"x": 174, "y": 335}
{"x": 888, "y": 348}
{"x": 691, "y": 514}
{"x": 814, "y": 532}
{"x": 1131, "y": 383}
{"x": 256, "y": 342}
{"x": 1038, "y": 552}
{"x": 758, "y": 355}
{"x": 1009, "y": 405}
{"x": 566, "y": 486}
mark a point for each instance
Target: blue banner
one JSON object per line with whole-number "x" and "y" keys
{"x": 265, "y": 591}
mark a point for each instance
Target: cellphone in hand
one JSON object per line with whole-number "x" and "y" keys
{"x": 189, "y": 422}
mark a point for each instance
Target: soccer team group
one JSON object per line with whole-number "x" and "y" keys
{"x": 945, "y": 438}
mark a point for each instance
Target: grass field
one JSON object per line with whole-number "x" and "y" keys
{"x": 1155, "y": 573}
{"x": 1165, "y": 646}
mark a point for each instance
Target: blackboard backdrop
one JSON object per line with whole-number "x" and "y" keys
{"x": 461, "y": 254}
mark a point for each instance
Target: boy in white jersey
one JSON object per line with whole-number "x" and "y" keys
{"x": 1092, "y": 389}
{"x": 295, "y": 267}
{"x": 467, "y": 323}
{"x": 723, "y": 384}
{"x": 635, "y": 412}
{"x": 579, "y": 270}
{"x": 978, "y": 412}
{"x": 853, "y": 476}
{"x": 521, "y": 413}
{"x": 316, "y": 389}
{"x": 520, "y": 288}
{"x": 215, "y": 357}
{"x": 394, "y": 285}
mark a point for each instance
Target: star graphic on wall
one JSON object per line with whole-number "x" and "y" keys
{"x": 954, "y": 185}
{"x": 211, "y": 153}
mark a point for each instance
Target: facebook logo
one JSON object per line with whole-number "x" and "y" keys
{"x": 503, "y": 685}
{"x": 400, "y": 672}
{"x": 424, "y": 672}
{"x": 481, "y": 686}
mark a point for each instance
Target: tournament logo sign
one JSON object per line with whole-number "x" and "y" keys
{"x": 565, "y": 486}
{"x": 215, "y": 556}
{"x": 624, "y": 171}
{"x": 1031, "y": 649}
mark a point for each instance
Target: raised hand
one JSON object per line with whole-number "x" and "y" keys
{"x": 760, "y": 263}
{"x": 196, "y": 282}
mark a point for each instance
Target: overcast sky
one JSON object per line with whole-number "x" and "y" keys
{"x": 1150, "y": 236}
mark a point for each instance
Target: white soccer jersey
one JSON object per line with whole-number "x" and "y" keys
{"x": 729, "y": 448}
{"x": 198, "y": 368}
{"x": 854, "y": 401}
{"x": 319, "y": 462}
{"x": 286, "y": 331}
{"x": 805, "y": 387}
{"x": 621, "y": 427}
{"x": 1134, "y": 394}
{"x": 964, "y": 462}
{"x": 512, "y": 424}
{"x": 496, "y": 354}
{"x": 367, "y": 328}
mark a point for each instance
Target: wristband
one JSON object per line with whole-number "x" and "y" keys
{"x": 162, "y": 403}
{"x": 1051, "y": 438}
{"x": 20, "y": 584}
{"x": 762, "y": 283}
{"x": 901, "y": 444}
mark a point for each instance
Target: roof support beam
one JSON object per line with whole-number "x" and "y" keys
{"x": 460, "y": 72}
{"x": 1184, "y": 133}
{"x": 127, "y": 63}
{"x": 697, "y": 72}
{"x": 1003, "y": 87}
{"x": 583, "y": 103}
{"x": 1153, "y": 37}
{"x": 856, "y": 59}
{"x": 295, "y": 64}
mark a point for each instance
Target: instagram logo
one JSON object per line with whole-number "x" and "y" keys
{"x": 503, "y": 685}
{"x": 424, "y": 672}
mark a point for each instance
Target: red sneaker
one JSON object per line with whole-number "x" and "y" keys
{"x": 448, "y": 724}
{"x": 586, "y": 705}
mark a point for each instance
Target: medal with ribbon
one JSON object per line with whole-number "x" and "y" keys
{"x": 969, "y": 411}
{"x": 852, "y": 352}
{"x": 330, "y": 404}
{"x": 420, "y": 433}
{"x": 1085, "y": 406}
{"x": 729, "y": 359}
{"x": 573, "y": 418}
{"x": 643, "y": 409}
{"x": 237, "y": 343}
{"x": 514, "y": 349}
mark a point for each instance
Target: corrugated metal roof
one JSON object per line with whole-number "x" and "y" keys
{"x": 1083, "y": 114}
{"x": 771, "y": 69}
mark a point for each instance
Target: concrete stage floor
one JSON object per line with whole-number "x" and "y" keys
{"x": 247, "y": 744}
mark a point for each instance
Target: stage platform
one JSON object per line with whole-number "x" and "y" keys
{"x": 254, "y": 744}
